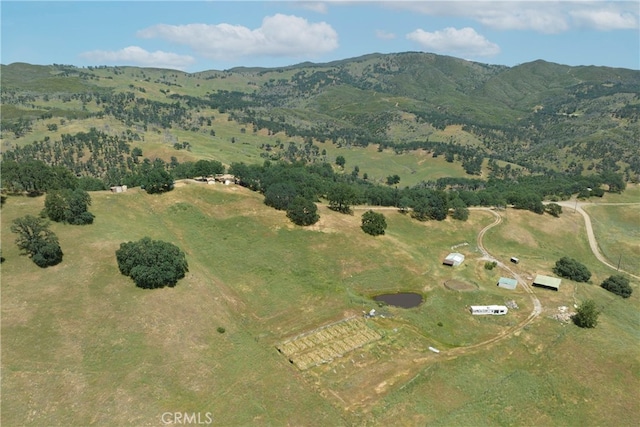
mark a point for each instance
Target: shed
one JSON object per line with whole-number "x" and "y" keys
{"x": 547, "y": 282}
{"x": 454, "y": 259}
{"x": 118, "y": 189}
{"x": 507, "y": 283}
{"x": 494, "y": 310}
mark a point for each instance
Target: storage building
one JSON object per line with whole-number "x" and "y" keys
{"x": 507, "y": 283}
{"x": 547, "y": 282}
{"x": 453, "y": 259}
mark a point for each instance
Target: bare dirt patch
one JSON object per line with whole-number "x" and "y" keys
{"x": 327, "y": 343}
{"x": 458, "y": 285}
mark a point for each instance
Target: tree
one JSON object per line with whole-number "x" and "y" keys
{"x": 373, "y": 223}
{"x": 586, "y": 315}
{"x": 37, "y": 241}
{"x": 280, "y": 195}
{"x": 619, "y": 285}
{"x": 460, "y": 209}
{"x": 393, "y": 179}
{"x": 302, "y": 211}
{"x": 207, "y": 168}
{"x": 340, "y": 161}
{"x": 157, "y": 180}
{"x": 152, "y": 263}
{"x": 341, "y": 197}
{"x": 572, "y": 269}
{"x": 68, "y": 206}
{"x": 553, "y": 209}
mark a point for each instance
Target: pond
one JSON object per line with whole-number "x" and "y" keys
{"x": 401, "y": 299}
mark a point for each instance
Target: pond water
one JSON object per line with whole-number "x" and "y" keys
{"x": 401, "y": 299}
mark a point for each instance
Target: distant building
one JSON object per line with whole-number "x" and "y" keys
{"x": 453, "y": 259}
{"x": 118, "y": 189}
{"x": 507, "y": 283}
{"x": 547, "y": 282}
{"x": 495, "y": 310}
{"x": 226, "y": 178}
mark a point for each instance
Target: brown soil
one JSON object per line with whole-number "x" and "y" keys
{"x": 457, "y": 285}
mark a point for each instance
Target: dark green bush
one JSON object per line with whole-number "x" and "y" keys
{"x": 619, "y": 285}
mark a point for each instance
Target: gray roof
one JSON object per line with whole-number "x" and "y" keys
{"x": 507, "y": 283}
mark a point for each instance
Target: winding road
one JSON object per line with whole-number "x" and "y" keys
{"x": 593, "y": 243}
{"x": 537, "y": 306}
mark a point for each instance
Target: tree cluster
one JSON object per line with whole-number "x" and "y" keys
{"x": 69, "y": 206}
{"x": 572, "y": 269}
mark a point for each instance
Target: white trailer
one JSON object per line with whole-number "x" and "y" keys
{"x": 495, "y": 310}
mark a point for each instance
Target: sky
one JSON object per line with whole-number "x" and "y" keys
{"x": 218, "y": 35}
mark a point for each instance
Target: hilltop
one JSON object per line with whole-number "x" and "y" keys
{"x": 539, "y": 115}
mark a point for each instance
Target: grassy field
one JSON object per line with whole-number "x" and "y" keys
{"x": 82, "y": 345}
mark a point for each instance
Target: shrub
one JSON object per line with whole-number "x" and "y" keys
{"x": 586, "y": 315}
{"x": 619, "y": 285}
{"x": 572, "y": 269}
{"x": 221, "y": 330}
{"x": 490, "y": 265}
{"x": 373, "y": 223}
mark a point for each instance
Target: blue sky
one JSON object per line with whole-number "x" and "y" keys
{"x": 205, "y": 35}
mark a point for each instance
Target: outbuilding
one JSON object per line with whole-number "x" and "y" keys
{"x": 495, "y": 310}
{"x": 547, "y": 282}
{"x": 453, "y": 259}
{"x": 507, "y": 283}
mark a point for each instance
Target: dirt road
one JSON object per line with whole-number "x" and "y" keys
{"x": 593, "y": 243}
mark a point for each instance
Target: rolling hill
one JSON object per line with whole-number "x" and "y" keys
{"x": 540, "y": 115}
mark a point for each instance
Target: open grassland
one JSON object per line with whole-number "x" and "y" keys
{"x": 82, "y": 345}
{"x": 618, "y": 231}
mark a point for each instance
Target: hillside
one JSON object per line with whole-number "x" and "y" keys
{"x": 539, "y": 115}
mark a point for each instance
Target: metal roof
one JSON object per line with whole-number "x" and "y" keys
{"x": 507, "y": 283}
{"x": 551, "y": 282}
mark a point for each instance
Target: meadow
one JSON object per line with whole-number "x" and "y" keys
{"x": 82, "y": 345}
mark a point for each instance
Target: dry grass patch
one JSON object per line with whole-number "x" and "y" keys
{"x": 457, "y": 285}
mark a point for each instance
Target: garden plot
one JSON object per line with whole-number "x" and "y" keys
{"x": 324, "y": 344}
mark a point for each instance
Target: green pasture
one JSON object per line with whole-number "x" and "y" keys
{"x": 82, "y": 345}
{"x": 618, "y": 231}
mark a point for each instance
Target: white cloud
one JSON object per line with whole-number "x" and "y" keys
{"x": 541, "y": 16}
{"x": 315, "y": 6}
{"x": 605, "y": 19}
{"x": 279, "y": 35}
{"x": 465, "y": 42}
{"x": 134, "y": 55}
{"x": 385, "y": 35}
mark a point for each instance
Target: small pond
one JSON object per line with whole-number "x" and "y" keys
{"x": 402, "y": 299}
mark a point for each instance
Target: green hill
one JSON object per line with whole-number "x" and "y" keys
{"x": 539, "y": 115}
